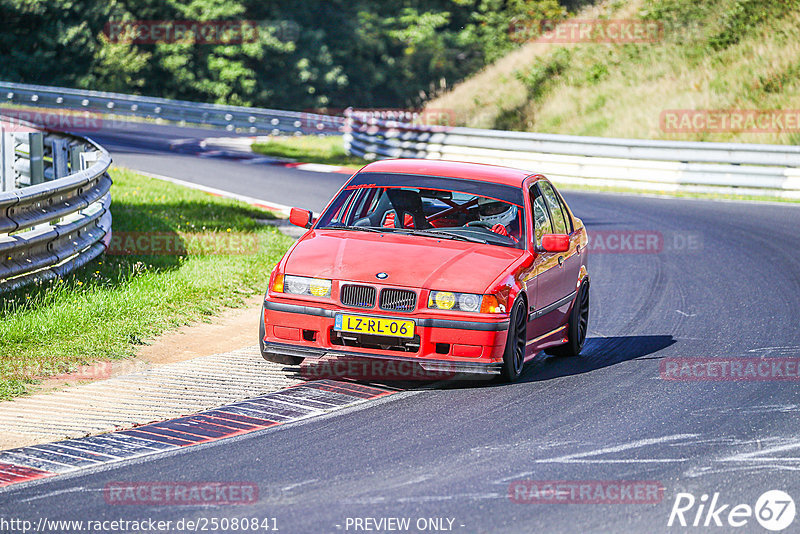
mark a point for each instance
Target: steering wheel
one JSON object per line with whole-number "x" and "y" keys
{"x": 482, "y": 224}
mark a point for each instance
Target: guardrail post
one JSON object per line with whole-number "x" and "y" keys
{"x": 75, "y": 158}
{"x": 87, "y": 159}
{"x": 36, "y": 157}
{"x": 60, "y": 158}
{"x": 7, "y": 177}
{"x": 16, "y": 167}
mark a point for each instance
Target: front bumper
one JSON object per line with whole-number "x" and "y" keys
{"x": 443, "y": 366}
{"x": 440, "y": 344}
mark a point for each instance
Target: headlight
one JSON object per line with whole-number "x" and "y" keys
{"x": 301, "y": 285}
{"x": 443, "y": 300}
{"x": 468, "y": 302}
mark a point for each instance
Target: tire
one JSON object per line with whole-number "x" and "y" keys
{"x": 271, "y": 356}
{"x": 514, "y": 355}
{"x": 577, "y": 327}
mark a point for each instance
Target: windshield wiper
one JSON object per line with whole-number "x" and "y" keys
{"x": 443, "y": 234}
{"x": 410, "y": 231}
{"x": 356, "y": 228}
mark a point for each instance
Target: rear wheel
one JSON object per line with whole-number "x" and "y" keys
{"x": 514, "y": 355}
{"x": 271, "y": 356}
{"x": 577, "y": 327}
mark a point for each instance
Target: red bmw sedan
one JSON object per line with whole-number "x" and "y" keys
{"x": 460, "y": 267}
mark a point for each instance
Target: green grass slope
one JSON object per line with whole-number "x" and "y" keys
{"x": 720, "y": 55}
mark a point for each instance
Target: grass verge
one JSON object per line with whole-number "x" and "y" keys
{"x": 328, "y": 150}
{"x": 106, "y": 309}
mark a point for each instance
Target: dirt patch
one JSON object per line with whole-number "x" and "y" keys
{"x": 13, "y": 440}
{"x": 234, "y": 328}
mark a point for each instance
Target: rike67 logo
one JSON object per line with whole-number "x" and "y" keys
{"x": 774, "y": 510}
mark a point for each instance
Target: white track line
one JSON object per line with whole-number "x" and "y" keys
{"x": 272, "y": 206}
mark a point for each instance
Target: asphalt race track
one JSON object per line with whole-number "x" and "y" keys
{"x": 148, "y": 150}
{"x": 723, "y": 282}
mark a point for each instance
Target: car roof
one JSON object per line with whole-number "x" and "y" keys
{"x": 452, "y": 169}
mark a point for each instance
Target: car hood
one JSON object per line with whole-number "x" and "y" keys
{"x": 410, "y": 261}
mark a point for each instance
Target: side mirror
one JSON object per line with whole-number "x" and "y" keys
{"x": 301, "y": 218}
{"x": 555, "y": 242}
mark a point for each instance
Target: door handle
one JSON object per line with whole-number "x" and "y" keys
{"x": 560, "y": 261}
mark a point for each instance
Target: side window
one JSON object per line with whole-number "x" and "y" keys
{"x": 560, "y": 225}
{"x": 565, "y": 211}
{"x": 358, "y": 205}
{"x": 541, "y": 220}
{"x": 339, "y": 210}
{"x": 345, "y": 216}
{"x": 366, "y": 197}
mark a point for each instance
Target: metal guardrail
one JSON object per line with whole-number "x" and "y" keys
{"x": 230, "y": 118}
{"x": 54, "y": 188}
{"x": 54, "y": 204}
{"x": 771, "y": 170}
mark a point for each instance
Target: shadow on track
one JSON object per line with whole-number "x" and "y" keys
{"x": 598, "y": 352}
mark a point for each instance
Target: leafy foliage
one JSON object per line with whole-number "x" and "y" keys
{"x": 307, "y": 54}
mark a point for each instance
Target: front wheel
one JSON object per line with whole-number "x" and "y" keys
{"x": 577, "y": 327}
{"x": 514, "y": 355}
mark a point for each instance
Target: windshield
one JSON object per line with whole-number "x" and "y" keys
{"x": 427, "y": 206}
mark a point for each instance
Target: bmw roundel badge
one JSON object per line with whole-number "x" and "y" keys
{"x": 381, "y": 276}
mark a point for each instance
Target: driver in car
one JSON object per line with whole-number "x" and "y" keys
{"x": 498, "y": 216}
